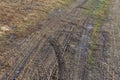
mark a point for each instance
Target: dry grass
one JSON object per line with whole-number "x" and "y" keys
{"x": 24, "y": 13}
{"x": 17, "y": 16}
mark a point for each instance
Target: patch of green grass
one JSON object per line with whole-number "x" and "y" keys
{"x": 98, "y": 9}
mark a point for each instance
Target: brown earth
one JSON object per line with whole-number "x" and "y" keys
{"x": 80, "y": 42}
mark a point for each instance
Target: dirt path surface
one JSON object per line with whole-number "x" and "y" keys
{"x": 113, "y": 26}
{"x": 26, "y": 49}
{"x": 89, "y": 47}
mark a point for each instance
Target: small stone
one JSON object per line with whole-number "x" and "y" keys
{"x": 89, "y": 27}
{"x": 5, "y": 28}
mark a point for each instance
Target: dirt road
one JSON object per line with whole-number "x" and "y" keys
{"x": 90, "y": 47}
{"x": 28, "y": 48}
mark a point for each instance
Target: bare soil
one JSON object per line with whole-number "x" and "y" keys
{"x": 80, "y": 42}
